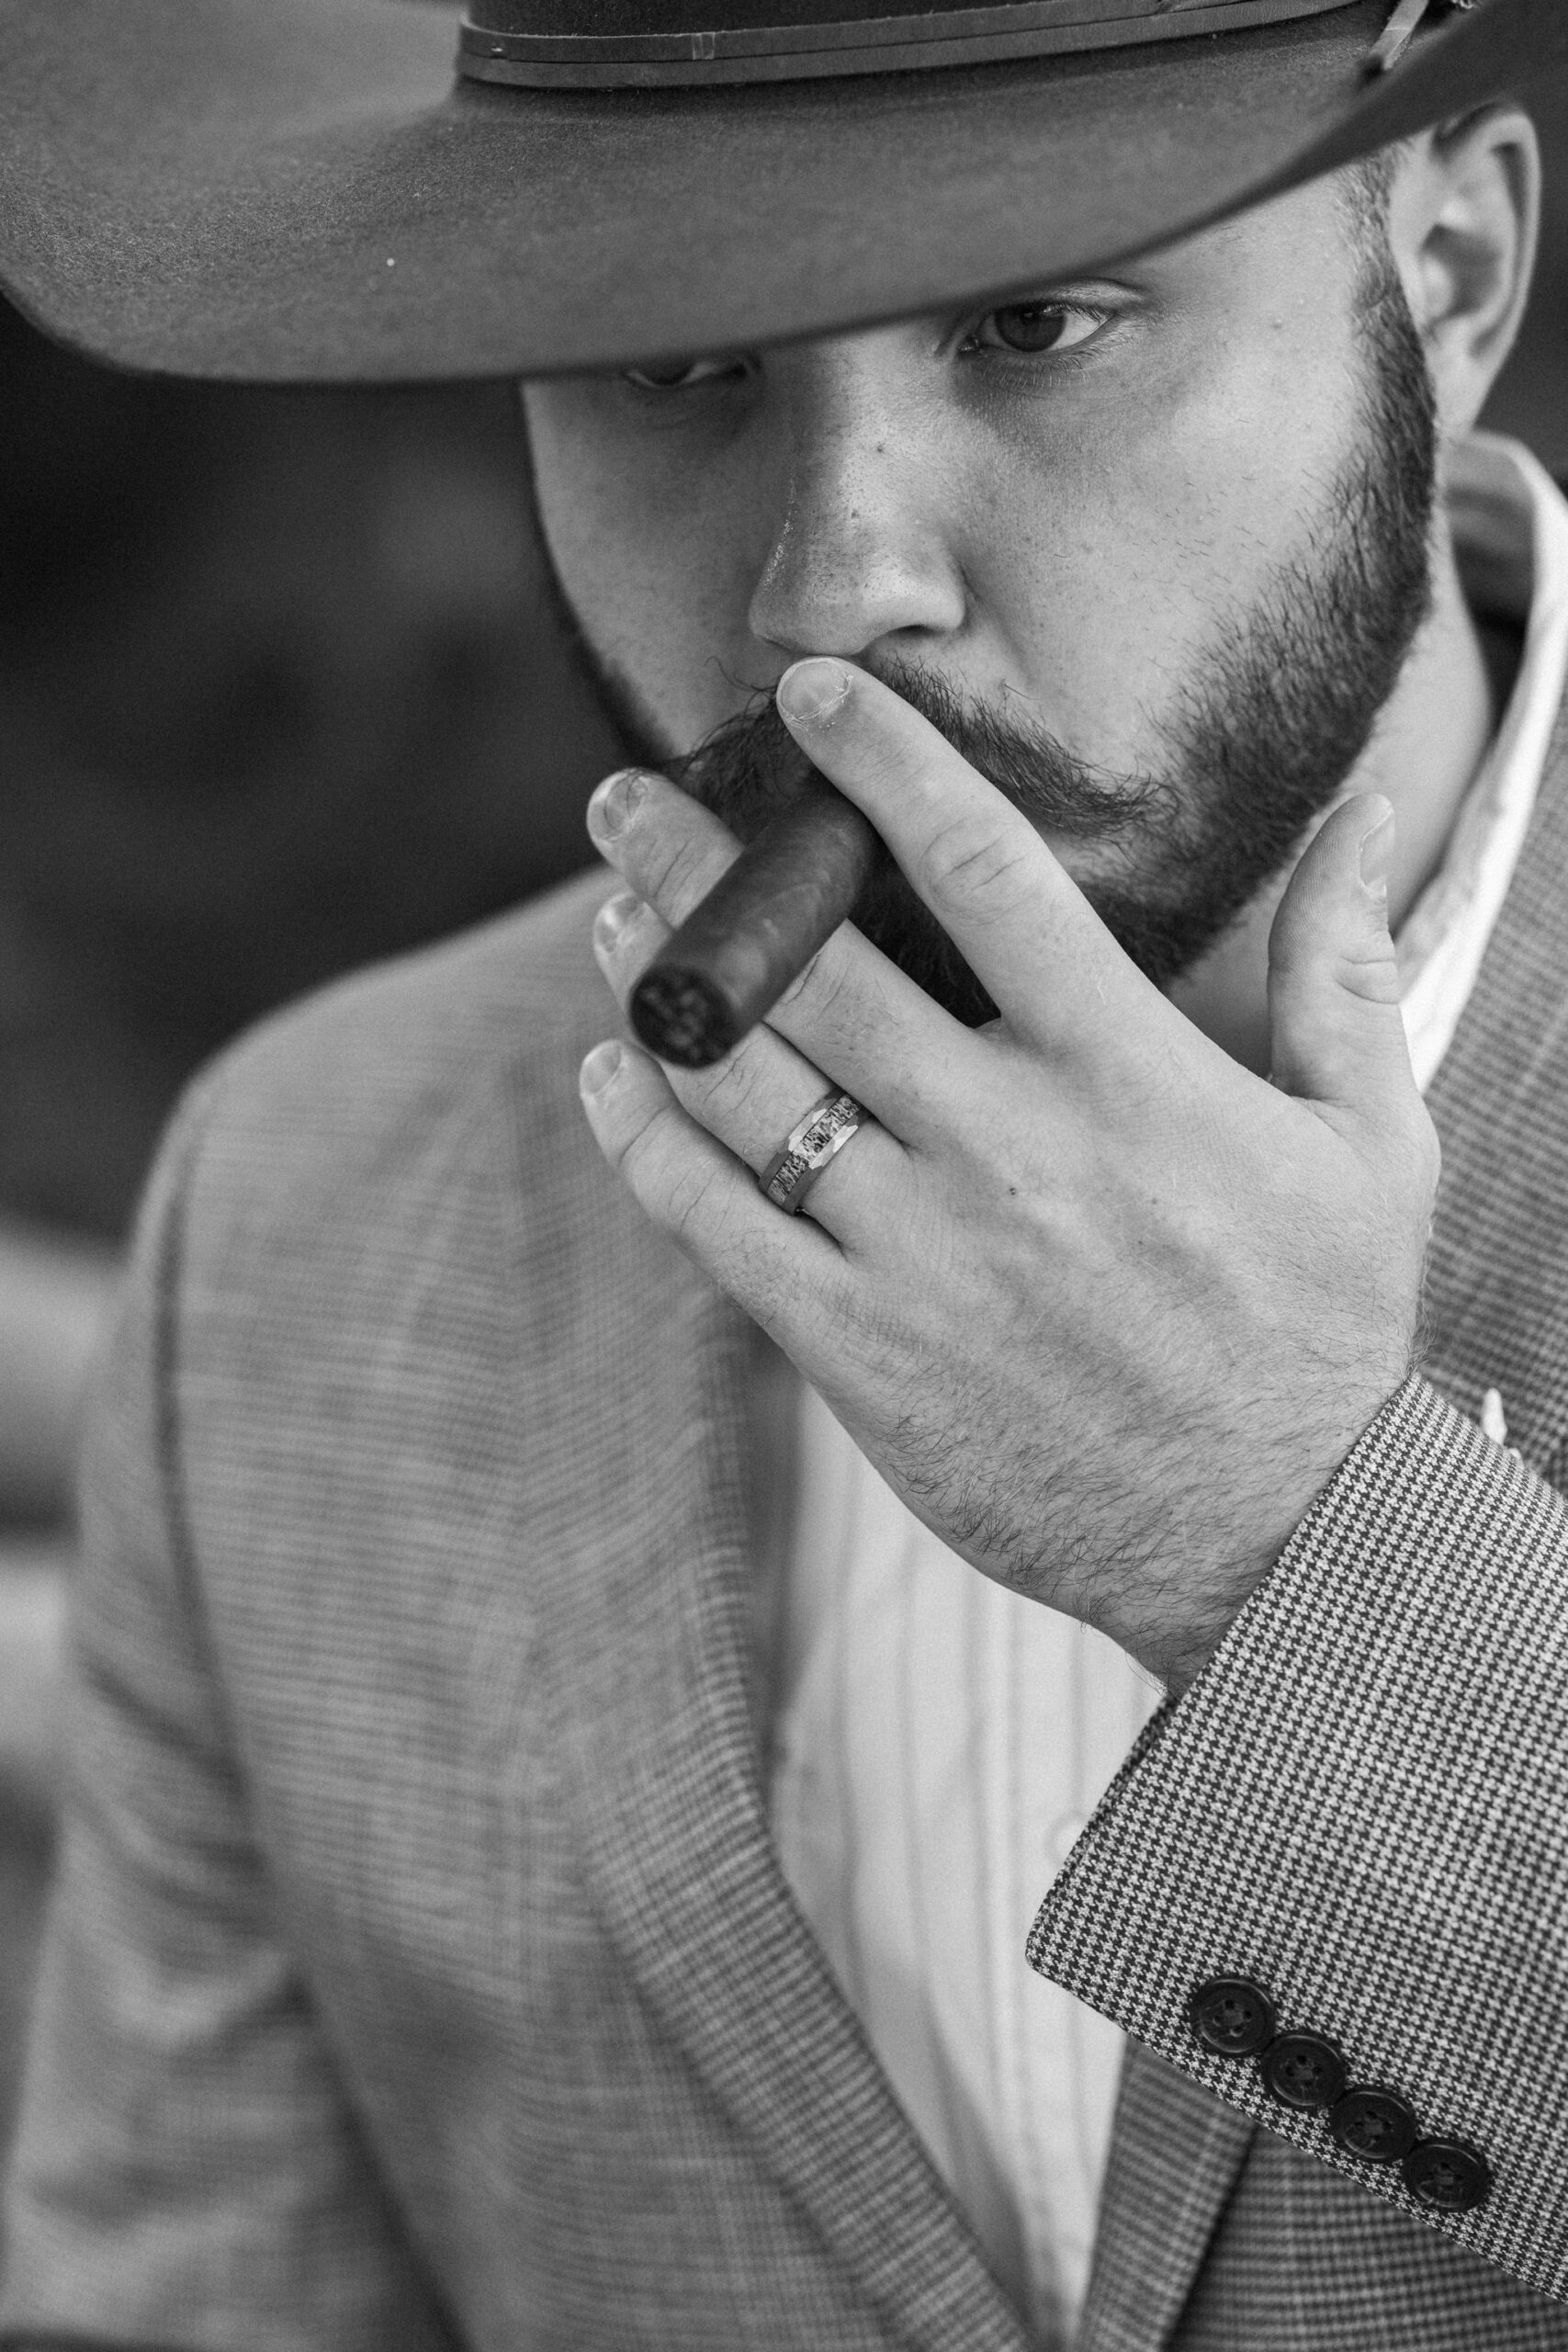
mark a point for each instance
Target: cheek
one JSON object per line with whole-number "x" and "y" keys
{"x": 645, "y": 560}
{"x": 1115, "y": 559}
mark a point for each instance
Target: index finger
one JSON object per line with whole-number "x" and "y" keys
{"x": 1008, "y": 906}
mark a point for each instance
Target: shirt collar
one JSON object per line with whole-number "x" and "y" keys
{"x": 1510, "y": 526}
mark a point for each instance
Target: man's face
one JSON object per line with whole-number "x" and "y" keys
{"x": 1151, "y": 549}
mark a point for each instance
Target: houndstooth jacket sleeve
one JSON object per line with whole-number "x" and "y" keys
{"x": 1363, "y": 1806}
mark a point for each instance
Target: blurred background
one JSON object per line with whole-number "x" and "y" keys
{"x": 279, "y": 694}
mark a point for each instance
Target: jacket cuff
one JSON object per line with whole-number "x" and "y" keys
{"x": 1360, "y": 1807}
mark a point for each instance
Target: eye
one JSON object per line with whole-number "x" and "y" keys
{"x": 1032, "y": 328}
{"x": 679, "y": 375}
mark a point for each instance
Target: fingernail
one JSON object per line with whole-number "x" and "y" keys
{"x": 612, "y": 918}
{"x": 813, "y": 690}
{"x": 1377, "y": 852}
{"x": 614, "y": 802}
{"x": 600, "y": 1067}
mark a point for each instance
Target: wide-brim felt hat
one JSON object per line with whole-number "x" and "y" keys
{"x": 366, "y": 191}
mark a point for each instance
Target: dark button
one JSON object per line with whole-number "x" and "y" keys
{"x": 1232, "y": 2016}
{"x": 1304, "y": 2070}
{"x": 1446, "y": 2176}
{"x": 1374, "y": 2124}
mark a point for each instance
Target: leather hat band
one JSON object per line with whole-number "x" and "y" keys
{"x": 643, "y": 43}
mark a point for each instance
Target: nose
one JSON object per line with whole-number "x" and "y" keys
{"x": 861, "y": 560}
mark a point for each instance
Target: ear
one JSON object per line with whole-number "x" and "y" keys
{"x": 1464, "y": 213}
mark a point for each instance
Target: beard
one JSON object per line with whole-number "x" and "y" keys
{"x": 1277, "y": 710}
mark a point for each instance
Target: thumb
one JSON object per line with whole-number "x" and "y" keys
{"x": 1334, "y": 1024}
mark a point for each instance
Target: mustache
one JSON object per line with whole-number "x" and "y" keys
{"x": 751, "y": 765}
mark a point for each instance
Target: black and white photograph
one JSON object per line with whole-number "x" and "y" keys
{"x": 784, "y": 1175}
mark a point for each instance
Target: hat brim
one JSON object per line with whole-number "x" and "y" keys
{"x": 300, "y": 192}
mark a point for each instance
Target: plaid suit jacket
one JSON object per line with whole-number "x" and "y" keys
{"x": 421, "y": 1973}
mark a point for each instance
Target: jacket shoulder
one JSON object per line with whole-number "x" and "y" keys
{"x": 380, "y": 1040}
{"x": 359, "y": 1086}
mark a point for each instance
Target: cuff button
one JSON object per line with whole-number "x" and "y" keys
{"x": 1304, "y": 2071}
{"x": 1373, "y": 2124}
{"x": 1232, "y": 2017}
{"x": 1446, "y": 2176}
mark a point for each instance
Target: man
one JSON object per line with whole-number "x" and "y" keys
{"x": 557, "y": 1809}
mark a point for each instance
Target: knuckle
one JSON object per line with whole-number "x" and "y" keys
{"x": 689, "y": 1203}
{"x": 802, "y": 991}
{"x": 969, "y": 862}
{"x": 649, "y": 1154}
{"x": 679, "y": 871}
{"x": 820, "y": 991}
{"x": 1366, "y": 968}
{"x": 670, "y": 854}
{"x": 731, "y": 1090}
{"x": 634, "y": 945}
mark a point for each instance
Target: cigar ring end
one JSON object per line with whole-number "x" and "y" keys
{"x": 682, "y": 1017}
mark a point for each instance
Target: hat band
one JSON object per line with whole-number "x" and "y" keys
{"x": 645, "y": 43}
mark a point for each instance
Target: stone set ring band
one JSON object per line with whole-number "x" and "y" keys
{"x": 824, "y": 1130}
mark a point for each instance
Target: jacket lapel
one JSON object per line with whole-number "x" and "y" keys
{"x": 1499, "y": 1101}
{"x": 1176, "y": 2153}
{"x": 636, "y": 1382}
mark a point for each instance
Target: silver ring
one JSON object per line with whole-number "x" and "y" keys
{"x": 824, "y": 1130}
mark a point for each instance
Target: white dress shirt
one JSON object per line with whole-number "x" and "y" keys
{"x": 940, "y": 1742}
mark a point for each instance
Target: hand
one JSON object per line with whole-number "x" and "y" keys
{"x": 1104, "y": 1308}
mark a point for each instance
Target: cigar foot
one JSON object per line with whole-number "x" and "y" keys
{"x": 682, "y": 1017}
{"x": 757, "y": 930}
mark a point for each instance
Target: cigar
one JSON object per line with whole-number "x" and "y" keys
{"x": 757, "y": 930}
